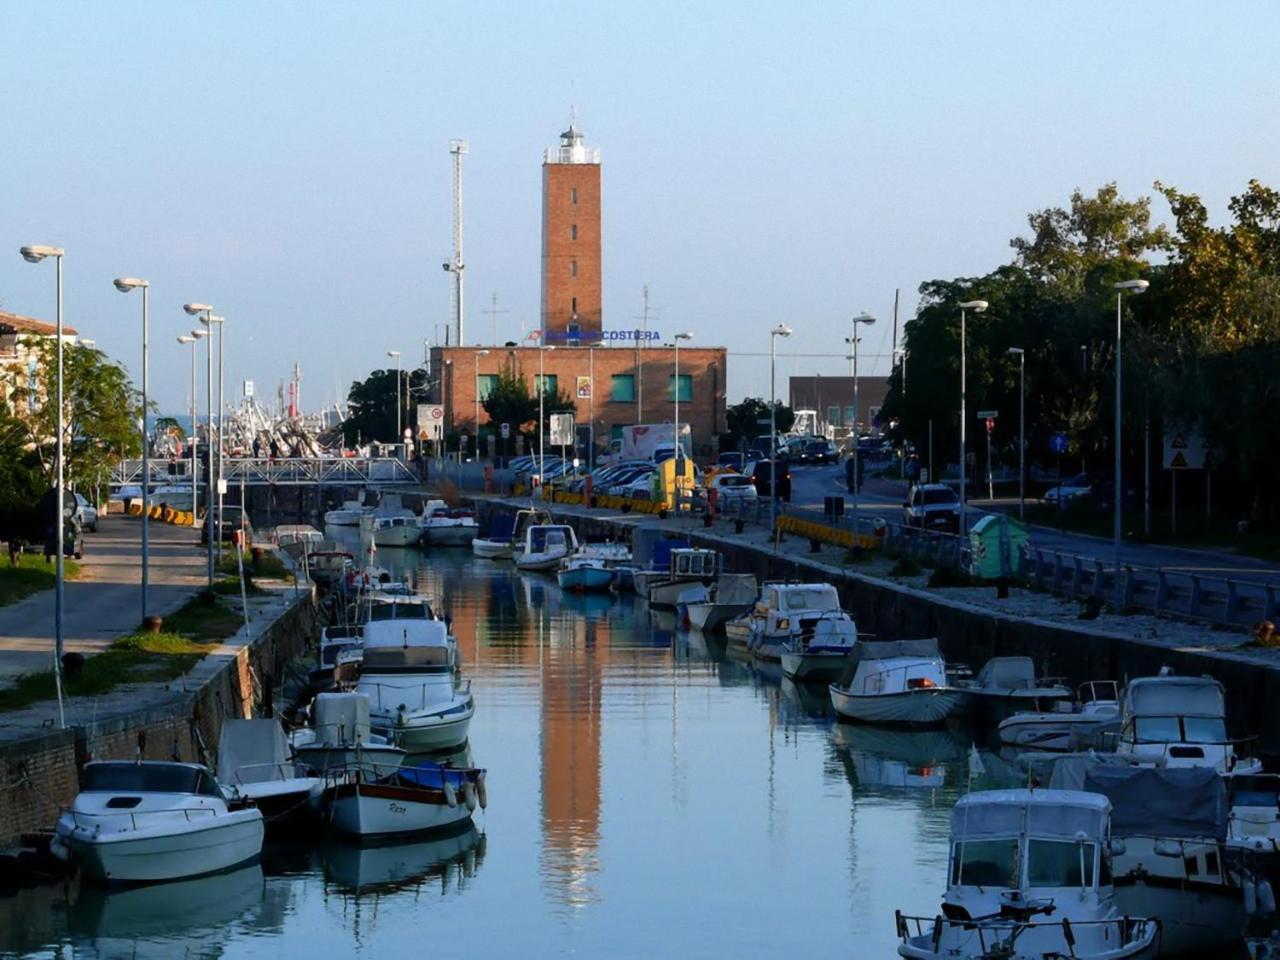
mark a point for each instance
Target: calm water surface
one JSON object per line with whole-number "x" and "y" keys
{"x": 647, "y": 796}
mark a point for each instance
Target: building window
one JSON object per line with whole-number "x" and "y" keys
{"x": 686, "y": 388}
{"x": 574, "y": 308}
{"x": 833, "y": 416}
{"x": 573, "y": 268}
{"x": 486, "y": 383}
{"x": 624, "y": 388}
{"x": 573, "y": 232}
{"x": 545, "y": 384}
{"x": 573, "y": 197}
{"x": 848, "y": 414}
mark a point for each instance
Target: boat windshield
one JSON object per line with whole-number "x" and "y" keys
{"x": 815, "y": 598}
{"x": 1180, "y": 730}
{"x": 985, "y": 863}
{"x": 1204, "y": 729}
{"x": 148, "y": 778}
{"x": 1059, "y": 863}
{"x": 400, "y": 611}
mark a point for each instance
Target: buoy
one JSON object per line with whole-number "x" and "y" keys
{"x": 469, "y": 795}
{"x": 450, "y": 796}
{"x": 1266, "y": 898}
{"x": 481, "y": 792}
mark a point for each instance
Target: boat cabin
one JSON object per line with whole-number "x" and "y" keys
{"x": 550, "y": 538}
{"x": 146, "y": 776}
{"x": 693, "y": 564}
{"x": 406, "y": 646}
{"x": 883, "y": 667}
{"x": 1180, "y": 721}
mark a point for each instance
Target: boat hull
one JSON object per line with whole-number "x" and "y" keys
{"x": 1197, "y": 919}
{"x": 430, "y": 734}
{"x": 1047, "y": 731}
{"x": 188, "y": 849}
{"x": 814, "y": 666}
{"x": 666, "y": 594}
{"x": 539, "y": 562}
{"x": 708, "y": 617}
{"x": 380, "y": 810}
{"x": 923, "y": 707}
{"x": 396, "y": 536}
{"x": 456, "y": 536}
{"x": 585, "y": 578}
{"x": 492, "y": 549}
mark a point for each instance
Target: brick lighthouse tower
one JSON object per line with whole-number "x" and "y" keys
{"x": 571, "y": 261}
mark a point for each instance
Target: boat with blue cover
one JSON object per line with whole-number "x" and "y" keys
{"x": 420, "y": 799}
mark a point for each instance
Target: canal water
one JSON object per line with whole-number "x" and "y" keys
{"x": 648, "y": 796}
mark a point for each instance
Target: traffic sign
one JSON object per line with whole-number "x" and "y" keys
{"x": 991, "y": 424}
{"x": 1058, "y": 443}
{"x": 506, "y": 431}
{"x": 1184, "y": 449}
{"x": 561, "y": 429}
{"x": 430, "y": 421}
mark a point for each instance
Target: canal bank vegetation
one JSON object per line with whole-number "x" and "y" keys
{"x": 189, "y": 634}
{"x": 1200, "y": 356}
{"x": 31, "y": 574}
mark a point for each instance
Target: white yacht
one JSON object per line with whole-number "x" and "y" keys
{"x": 545, "y": 546}
{"x": 1008, "y": 685}
{"x": 896, "y": 682}
{"x": 1069, "y": 725}
{"x": 445, "y": 526}
{"x": 408, "y": 675}
{"x": 341, "y": 738}
{"x": 1180, "y": 722}
{"x": 1029, "y": 878}
{"x": 255, "y": 765}
{"x": 145, "y": 821}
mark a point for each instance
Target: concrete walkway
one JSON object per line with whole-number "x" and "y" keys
{"x": 104, "y": 602}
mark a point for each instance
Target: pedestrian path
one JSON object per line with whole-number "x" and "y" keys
{"x": 104, "y": 602}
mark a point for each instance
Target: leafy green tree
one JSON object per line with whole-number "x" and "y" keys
{"x": 371, "y": 405}
{"x": 748, "y": 419}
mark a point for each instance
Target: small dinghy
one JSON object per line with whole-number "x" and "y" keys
{"x": 428, "y": 798}
{"x": 256, "y": 767}
{"x": 895, "y": 682}
{"x": 147, "y": 821}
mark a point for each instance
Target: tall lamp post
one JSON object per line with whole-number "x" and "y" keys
{"x": 193, "y": 338}
{"x": 977, "y": 306}
{"x": 865, "y": 319}
{"x": 35, "y": 254}
{"x": 210, "y": 321}
{"x": 679, "y": 452}
{"x": 781, "y": 330}
{"x": 479, "y": 354}
{"x": 1134, "y": 287}
{"x": 127, "y": 285}
{"x": 195, "y": 310}
{"x": 399, "y": 403}
{"x": 1022, "y": 424}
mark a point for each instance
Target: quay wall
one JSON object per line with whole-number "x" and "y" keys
{"x": 41, "y": 774}
{"x": 972, "y": 634}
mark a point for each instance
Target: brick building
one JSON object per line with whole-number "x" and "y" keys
{"x": 572, "y": 310}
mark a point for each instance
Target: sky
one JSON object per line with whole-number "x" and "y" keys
{"x": 762, "y": 163}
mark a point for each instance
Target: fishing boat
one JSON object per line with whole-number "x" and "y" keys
{"x": 444, "y": 526}
{"x": 408, "y": 675}
{"x": 686, "y": 567}
{"x": 895, "y": 682}
{"x": 545, "y": 546}
{"x": 1181, "y": 722}
{"x": 147, "y": 821}
{"x": 341, "y": 738}
{"x": 506, "y": 533}
{"x": 730, "y": 596}
{"x": 427, "y": 798}
{"x": 1028, "y": 879}
{"x": 255, "y": 766}
{"x": 1069, "y": 725}
{"x": 1008, "y": 685}
{"x": 594, "y": 567}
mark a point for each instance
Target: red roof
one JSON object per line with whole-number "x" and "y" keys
{"x": 30, "y": 325}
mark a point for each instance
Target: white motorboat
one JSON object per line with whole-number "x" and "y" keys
{"x": 255, "y": 765}
{"x": 506, "y": 534}
{"x": 895, "y": 682}
{"x": 1069, "y": 725}
{"x": 1253, "y": 822}
{"x": 1028, "y": 879}
{"x": 444, "y": 526}
{"x": 545, "y": 546}
{"x": 787, "y": 615}
{"x": 145, "y": 821}
{"x": 427, "y": 798}
{"x": 400, "y": 530}
{"x": 730, "y": 596}
{"x": 594, "y": 567}
{"x": 347, "y": 515}
{"x": 819, "y": 652}
{"x": 1180, "y": 721}
{"x": 408, "y": 675}
{"x": 341, "y": 738}
{"x": 1008, "y": 685}
{"x": 686, "y": 567}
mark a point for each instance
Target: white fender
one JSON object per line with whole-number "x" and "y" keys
{"x": 469, "y": 795}
{"x": 481, "y": 792}
{"x": 1250, "y": 897}
{"x": 450, "y": 795}
{"x": 1266, "y": 898}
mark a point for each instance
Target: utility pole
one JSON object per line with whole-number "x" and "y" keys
{"x": 492, "y": 313}
{"x": 459, "y": 149}
{"x": 644, "y": 318}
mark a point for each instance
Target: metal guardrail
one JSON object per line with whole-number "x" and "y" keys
{"x": 267, "y": 471}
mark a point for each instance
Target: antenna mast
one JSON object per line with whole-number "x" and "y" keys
{"x": 459, "y": 149}
{"x": 493, "y": 312}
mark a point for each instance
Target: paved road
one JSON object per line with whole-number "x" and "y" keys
{"x": 104, "y": 602}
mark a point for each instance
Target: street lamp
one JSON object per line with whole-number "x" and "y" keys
{"x": 127, "y": 285}
{"x": 1133, "y": 287}
{"x": 35, "y": 254}
{"x": 222, "y": 446}
{"x": 399, "y": 402}
{"x": 866, "y": 319}
{"x": 194, "y": 310}
{"x": 1022, "y": 440}
{"x": 542, "y": 394}
{"x": 193, "y": 338}
{"x": 679, "y": 451}
{"x": 781, "y": 330}
{"x": 977, "y": 306}
{"x": 479, "y": 354}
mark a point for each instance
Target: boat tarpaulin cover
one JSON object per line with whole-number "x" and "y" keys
{"x": 1175, "y": 697}
{"x": 1011, "y": 673}
{"x": 887, "y": 650}
{"x": 252, "y": 751}
{"x": 1043, "y": 813}
{"x": 1173, "y": 802}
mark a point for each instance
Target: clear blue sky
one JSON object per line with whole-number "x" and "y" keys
{"x": 762, "y": 162}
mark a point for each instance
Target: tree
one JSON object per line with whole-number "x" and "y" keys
{"x": 102, "y": 412}
{"x": 371, "y": 405}
{"x": 510, "y": 401}
{"x": 750, "y": 419}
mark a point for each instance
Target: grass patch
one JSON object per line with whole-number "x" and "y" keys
{"x": 270, "y": 567}
{"x": 31, "y": 575}
{"x": 230, "y": 587}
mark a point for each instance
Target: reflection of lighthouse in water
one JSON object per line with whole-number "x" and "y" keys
{"x": 571, "y": 672}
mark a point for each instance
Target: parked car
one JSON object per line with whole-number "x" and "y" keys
{"x": 761, "y": 476}
{"x": 932, "y": 506}
{"x": 1069, "y": 491}
{"x": 233, "y": 519}
{"x": 86, "y": 513}
{"x": 821, "y": 451}
{"x": 733, "y": 490}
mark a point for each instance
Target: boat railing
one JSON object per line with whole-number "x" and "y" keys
{"x": 1241, "y": 747}
{"x": 85, "y": 819}
{"x": 994, "y": 931}
{"x": 398, "y": 694}
{"x": 1098, "y": 691}
{"x": 282, "y": 770}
